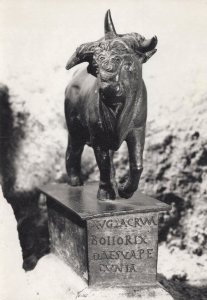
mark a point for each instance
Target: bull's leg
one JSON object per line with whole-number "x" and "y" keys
{"x": 73, "y": 161}
{"x": 113, "y": 171}
{"x": 135, "y": 142}
{"x": 106, "y": 186}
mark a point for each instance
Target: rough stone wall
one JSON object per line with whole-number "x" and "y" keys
{"x": 175, "y": 171}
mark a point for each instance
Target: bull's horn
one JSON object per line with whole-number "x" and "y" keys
{"x": 147, "y": 55}
{"x": 148, "y": 45}
{"x": 109, "y": 28}
{"x": 84, "y": 53}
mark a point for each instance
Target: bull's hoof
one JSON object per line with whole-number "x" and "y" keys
{"x": 75, "y": 181}
{"x": 125, "y": 192}
{"x": 104, "y": 194}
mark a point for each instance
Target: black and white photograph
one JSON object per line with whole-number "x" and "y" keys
{"x": 103, "y": 150}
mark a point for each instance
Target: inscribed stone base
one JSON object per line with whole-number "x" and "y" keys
{"x": 110, "y": 244}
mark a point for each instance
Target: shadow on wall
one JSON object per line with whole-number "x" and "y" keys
{"x": 9, "y": 142}
{"x": 170, "y": 221}
{"x": 180, "y": 289}
{"x": 29, "y": 209}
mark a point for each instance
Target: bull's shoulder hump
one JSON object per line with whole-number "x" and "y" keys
{"x": 144, "y": 90}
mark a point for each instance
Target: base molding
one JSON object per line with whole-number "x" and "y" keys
{"x": 156, "y": 292}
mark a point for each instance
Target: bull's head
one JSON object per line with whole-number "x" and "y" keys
{"x": 116, "y": 60}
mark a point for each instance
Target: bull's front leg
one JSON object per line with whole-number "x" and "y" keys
{"x": 73, "y": 161}
{"x": 106, "y": 186}
{"x": 135, "y": 142}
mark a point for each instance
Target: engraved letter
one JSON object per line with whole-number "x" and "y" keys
{"x": 94, "y": 241}
{"x": 113, "y": 255}
{"x": 120, "y": 240}
{"x": 118, "y": 268}
{"x": 149, "y": 253}
{"x": 96, "y": 256}
{"x": 148, "y": 221}
{"x": 98, "y": 224}
{"x": 140, "y": 240}
{"x": 128, "y": 240}
{"x": 123, "y": 223}
{"x": 130, "y": 222}
{"x": 102, "y": 241}
{"x": 137, "y": 220}
{"x": 102, "y": 268}
{"x": 140, "y": 251}
{"x": 132, "y": 268}
{"x": 109, "y": 223}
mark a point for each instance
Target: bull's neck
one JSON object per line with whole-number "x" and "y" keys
{"x": 117, "y": 126}
{"x": 109, "y": 122}
{"x": 108, "y": 118}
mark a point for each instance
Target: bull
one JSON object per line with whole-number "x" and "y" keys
{"x": 106, "y": 104}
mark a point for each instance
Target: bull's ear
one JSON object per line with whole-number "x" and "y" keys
{"x": 143, "y": 57}
{"x": 73, "y": 61}
{"x": 84, "y": 53}
{"x": 147, "y": 45}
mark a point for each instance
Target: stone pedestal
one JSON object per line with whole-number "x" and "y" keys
{"x": 111, "y": 244}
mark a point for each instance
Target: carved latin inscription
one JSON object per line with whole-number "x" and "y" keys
{"x": 123, "y": 249}
{"x": 137, "y": 254}
{"x": 124, "y": 222}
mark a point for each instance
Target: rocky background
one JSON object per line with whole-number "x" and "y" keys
{"x": 36, "y": 40}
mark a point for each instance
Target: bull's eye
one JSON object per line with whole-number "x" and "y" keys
{"x": 101, "y": 58}
{"x": 117, "y": 59}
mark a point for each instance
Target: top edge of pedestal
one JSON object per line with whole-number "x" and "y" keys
{"x": 83, "y": 202}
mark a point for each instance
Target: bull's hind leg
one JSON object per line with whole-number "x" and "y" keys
{"x": 135, "y": 142}
{"x": 106, "y": 185}
{"x": 73, "y": 161}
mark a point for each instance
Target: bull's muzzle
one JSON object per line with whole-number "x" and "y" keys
{"x": 110, "y": 90}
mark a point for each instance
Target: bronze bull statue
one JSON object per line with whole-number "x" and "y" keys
{"x": 106, "y": 104}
